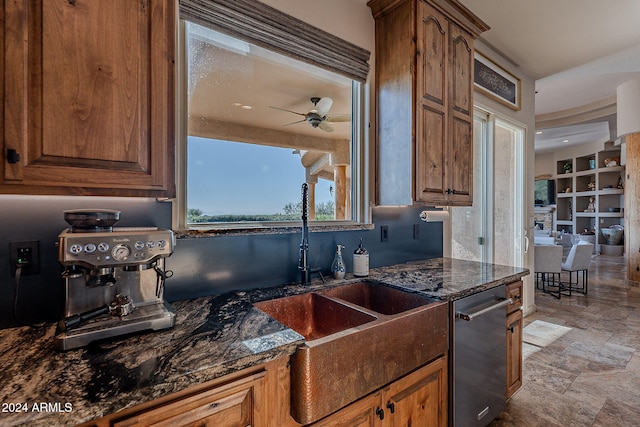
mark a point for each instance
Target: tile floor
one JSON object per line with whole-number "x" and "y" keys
{"x": 582, "y": 356}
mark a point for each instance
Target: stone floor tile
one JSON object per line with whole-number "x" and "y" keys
{"x": 617, "y": 414}
{"x": 590, "y": 375}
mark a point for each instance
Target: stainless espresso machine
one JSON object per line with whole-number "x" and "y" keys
{"x": 113, "y": 278}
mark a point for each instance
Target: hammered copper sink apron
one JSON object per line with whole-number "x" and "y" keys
{"x": 359, "y": 337}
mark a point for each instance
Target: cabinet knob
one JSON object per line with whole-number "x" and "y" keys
{"x": 380, "y": 413}
{"x": 12, "y": 156}
{"x": 391, "y": 406}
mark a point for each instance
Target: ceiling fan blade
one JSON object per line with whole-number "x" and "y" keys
{"x": 288, "y": 111}
{"x": 293, "y": 123}
{"x": 325, "y": 126}
{"x": 323, "y": 106}
{"x": 338, "y": 118}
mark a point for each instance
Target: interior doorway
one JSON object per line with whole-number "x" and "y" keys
{"x": 492, "y": 230}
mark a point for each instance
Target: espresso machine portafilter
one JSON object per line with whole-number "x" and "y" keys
{"x": 113, "y": 279}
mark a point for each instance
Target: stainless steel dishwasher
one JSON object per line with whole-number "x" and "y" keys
{"x": 478, "y": 377}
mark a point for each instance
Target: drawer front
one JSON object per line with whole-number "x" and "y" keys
{"x": 514, "y": 291}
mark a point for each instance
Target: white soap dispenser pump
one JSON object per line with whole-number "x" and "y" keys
{"x": 338, "y": 269}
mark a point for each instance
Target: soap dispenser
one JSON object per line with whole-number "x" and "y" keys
{"x": 337, "y": 268}
{"x": 360, "y": 261}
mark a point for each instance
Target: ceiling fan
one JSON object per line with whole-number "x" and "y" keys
{"x": 318, "y": 117}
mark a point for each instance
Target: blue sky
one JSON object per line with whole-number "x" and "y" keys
{"x": 238, "y": 178}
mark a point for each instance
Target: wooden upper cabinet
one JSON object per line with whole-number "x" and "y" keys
{"x": 89, "y": 97}
{"x": 424, "y": 82}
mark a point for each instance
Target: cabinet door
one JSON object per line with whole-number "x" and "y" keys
{"x": 514, "y": 291}
{"x": 364, "y": 413}
{"x": 444, "y": 110}
{"x": 514, "y": 352}
{"x": 230, "y": 405}
{"x": 460, "y": 143}
{"x": 431, "y": 105}
{"x": 419, "y": 399}
{"x": 89, "y": 97}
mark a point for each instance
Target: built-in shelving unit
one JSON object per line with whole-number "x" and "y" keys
{"x": 589, "y": 179}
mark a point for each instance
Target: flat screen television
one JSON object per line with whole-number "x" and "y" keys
{"x": 544, "y": 192}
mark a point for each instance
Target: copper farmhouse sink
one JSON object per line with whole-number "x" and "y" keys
{"x": 359, "y": 337}
{"x": 378, "y": 298}
{"x": 314, "y": 316}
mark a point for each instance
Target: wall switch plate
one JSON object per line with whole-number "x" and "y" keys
{"x": 26, "y": 256}
{"x": 384, "y": 233}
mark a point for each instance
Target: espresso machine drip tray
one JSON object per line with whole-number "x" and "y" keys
{"x": 152, "y": 317}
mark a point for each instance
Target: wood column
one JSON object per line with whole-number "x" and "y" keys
{"x": 312, "y": 201}
{"x": 311, "y": 181}
{"x": 632, "y": 207}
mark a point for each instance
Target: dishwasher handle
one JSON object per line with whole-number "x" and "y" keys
{"x": 502, "y": 302}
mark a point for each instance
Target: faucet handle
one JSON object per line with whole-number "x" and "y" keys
{"x": 317, "y": 270}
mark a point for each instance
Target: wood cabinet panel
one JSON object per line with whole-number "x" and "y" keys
{"x": 514, "y": 327}
{"x": 460, "y": 158}
{"x": 514, "y": 352}
{"x": 419, "y": 398}
{"x": 430, "y": 156}
{"x": 395, "y": 103}
{"x": 359, "y": 414}
{"x": 514, "y": 291}
{"x": 461, "y": 72}
{"x": 431, "y": 54}
{"x": 89, "y": 97}
{"x": 205, "y": 409}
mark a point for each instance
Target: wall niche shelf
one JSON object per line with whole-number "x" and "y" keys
{"x": 589, "y": 179}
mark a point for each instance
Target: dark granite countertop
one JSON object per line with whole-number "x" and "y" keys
{"x": 448, "y": 279}
{"x": 213, "y": 336}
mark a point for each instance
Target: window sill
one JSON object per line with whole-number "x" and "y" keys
{"x": 262, "y": 229}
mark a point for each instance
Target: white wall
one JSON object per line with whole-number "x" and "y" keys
{"x": 544, "y": 164}
{"x": 350, "y": 20}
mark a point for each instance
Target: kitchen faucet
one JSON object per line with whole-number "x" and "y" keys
{"x": 303, "y": 260}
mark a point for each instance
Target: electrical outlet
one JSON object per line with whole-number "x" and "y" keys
{"x": 416, "y": 231}
{"x": 384, "y": 233}
{"x": 25, "y": 255}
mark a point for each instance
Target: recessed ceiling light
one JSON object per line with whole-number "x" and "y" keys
{"x": 539, "y": 132}
{"x": 236, "y": 104}
{"x": 565, "y": 140}
{"x": 247, "y": 107}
